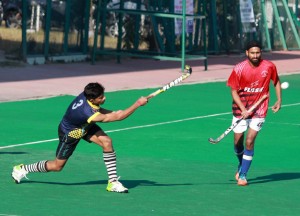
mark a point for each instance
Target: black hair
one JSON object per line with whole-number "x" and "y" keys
{"x": 93, "y": 90}
{"x": 252, "y": 43}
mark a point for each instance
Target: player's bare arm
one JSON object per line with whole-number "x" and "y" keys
{"x": 121, "y": 114}
{"x": 237, "y": 100}
{"x": 105, "y": 111}
{"x": 276, "y": 107}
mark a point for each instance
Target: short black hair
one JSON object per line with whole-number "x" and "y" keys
{"x": 93, "y": 90}
{"x": 252, "y": 43}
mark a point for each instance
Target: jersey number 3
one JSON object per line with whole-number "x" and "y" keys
{"x": 75, "y": 105}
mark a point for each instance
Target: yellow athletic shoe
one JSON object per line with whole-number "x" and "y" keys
{"x": 115, "y": 186}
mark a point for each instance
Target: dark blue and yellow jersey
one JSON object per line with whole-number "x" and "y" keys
{"x": 78, "y": 117}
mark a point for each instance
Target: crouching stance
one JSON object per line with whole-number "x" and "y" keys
{"x": 79, "y": 122}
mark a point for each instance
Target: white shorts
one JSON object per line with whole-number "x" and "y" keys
{"x": 255, "y": 124}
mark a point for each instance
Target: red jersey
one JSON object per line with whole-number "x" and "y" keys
{"x": 251, "y": 83}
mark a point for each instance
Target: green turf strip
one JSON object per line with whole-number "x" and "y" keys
{"x": 168, "y": 165}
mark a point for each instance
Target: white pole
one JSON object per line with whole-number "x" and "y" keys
{"x": 37, "y": 23}
{"x": 32, "y": 17}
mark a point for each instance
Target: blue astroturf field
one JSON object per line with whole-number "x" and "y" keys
{"x": 163, "y": 154}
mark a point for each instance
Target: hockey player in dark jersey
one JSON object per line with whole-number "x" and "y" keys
{"x": 79, "y": 123}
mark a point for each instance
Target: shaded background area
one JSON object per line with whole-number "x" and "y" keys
{"x": 54, "y": 28}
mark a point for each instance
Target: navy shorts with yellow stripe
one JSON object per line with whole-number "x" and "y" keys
{"x": 68, "y": 142}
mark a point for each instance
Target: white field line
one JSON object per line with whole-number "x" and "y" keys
{"x": 121, "y": 129}
{"x": 134, "y": 127}
{"x": 7, "y": 215}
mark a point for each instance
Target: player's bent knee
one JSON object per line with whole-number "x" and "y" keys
{"x": 107, "y": 141}
{"x": 107, "y": 144}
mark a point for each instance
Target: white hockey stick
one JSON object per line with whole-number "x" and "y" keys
{"x": 228, "y": 130}
{"x": 188, "y": 72}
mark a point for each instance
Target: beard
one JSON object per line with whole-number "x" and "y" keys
{"x": 254, "y": 61}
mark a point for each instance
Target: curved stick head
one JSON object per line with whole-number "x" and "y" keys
{"x": 212, "y": 141}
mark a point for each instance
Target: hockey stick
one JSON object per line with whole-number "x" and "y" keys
{"x": 188, "y": 72}
{"x": 228, "y": 130}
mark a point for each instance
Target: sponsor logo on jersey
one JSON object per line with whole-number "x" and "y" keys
{"x": 247, "y": 89}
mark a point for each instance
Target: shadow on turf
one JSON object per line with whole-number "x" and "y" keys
{"x": 129, "y": 183}
{"x": 274, "y": 177}
{"x": 13, "y": 152}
